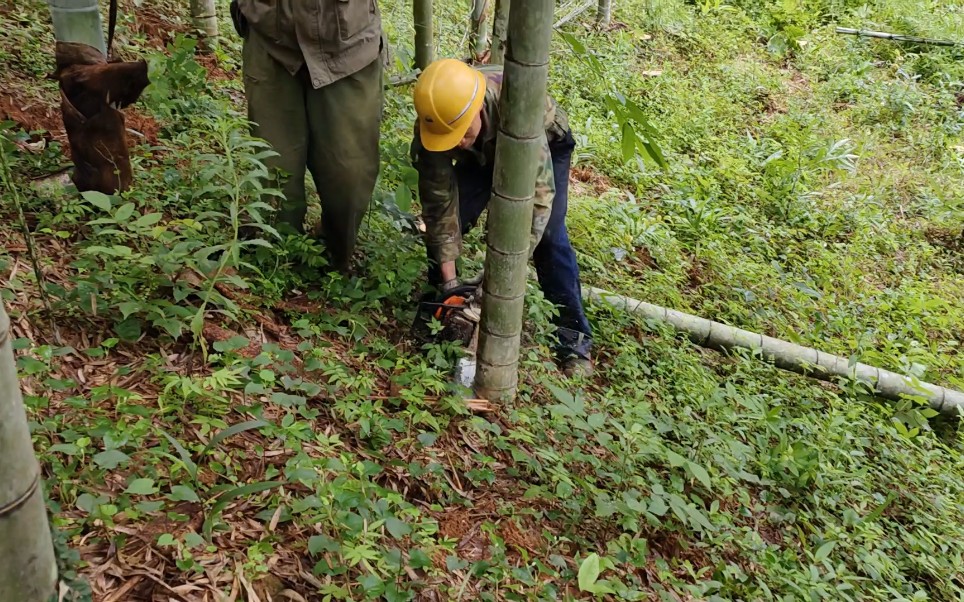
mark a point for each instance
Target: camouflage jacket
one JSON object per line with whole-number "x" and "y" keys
{"x": 333, "y": 38}
{"x": 437, "y": 187}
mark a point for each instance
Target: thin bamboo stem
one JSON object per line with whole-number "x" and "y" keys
{"x": 424, "y": 34}
{"x": 604, "y": 13}
{"x": 788, "y": 356}
{"x": 478, "y": 26}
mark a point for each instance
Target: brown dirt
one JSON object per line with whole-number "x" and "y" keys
{"x": 32, "y": 112}
{"x": 584, "y": 174}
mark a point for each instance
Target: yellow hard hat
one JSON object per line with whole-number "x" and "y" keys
{"x": 448, "y": 95}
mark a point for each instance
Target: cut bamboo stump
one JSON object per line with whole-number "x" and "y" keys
{"x": 788, "y": 356}
{"x": 28, "y": 571}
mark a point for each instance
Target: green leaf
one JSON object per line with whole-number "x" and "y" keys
{"x": 148, "y": 220}
{"x": 166, "y": 539}
{"x": 628, "y": 142}
{"x": 183, "y": 493}
{"x": 110, "y": 459}
{"x": 824, "y": 551}
{"x": 141, "y": 487}
{"x": 185, "y": 456}
{"x": 417, "y": 559}
{"x": 97, "y": 199}
{"x": 589, "y": 572}
{"x": 403, "y": 198}
{"x": 675, "y": 460}
{"x": 700, "y": 474}
{"x": 193, "y": 540}
{"x": 322, "y": 543}
{"x": 125, "y": 212}
{"x": 397, "y": 528}
{"x": 233, "y": 430}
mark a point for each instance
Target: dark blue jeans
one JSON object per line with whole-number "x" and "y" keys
{"x": 554, "y": 258}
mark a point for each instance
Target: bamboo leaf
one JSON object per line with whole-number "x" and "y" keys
{"x": 97, "y": 199}
{"x": 231, "y": 431}
{"x": 629, "y": 141}
{"x": 823, "y": 552}
{"x": 185, "y": 456}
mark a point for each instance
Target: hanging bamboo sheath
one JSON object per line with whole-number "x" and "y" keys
{"x": 28, "y": 571}
{"x": 517, "y": 152}
{"x": 500, "y": 25}
{"x": 78, "y": 21}
{"x": 788, "y": 356}
{"x": 424, "y": 34}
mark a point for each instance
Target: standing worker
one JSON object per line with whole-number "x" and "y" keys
{"x": 453, "y": 152}
{"x": 313, "y": 81}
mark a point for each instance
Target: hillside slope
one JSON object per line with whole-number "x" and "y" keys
{"x": 284, "y": 439}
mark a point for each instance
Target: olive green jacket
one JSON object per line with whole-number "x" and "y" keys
{"x": 438, "y": 189}
{"x": 334, "y": 38}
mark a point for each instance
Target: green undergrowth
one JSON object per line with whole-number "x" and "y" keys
{"x": 216, "y": 405}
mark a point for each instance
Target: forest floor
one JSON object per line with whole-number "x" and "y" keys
{"x": 271, "y": 433}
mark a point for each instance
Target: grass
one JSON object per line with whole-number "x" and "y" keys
{"x": 290, "y": 438}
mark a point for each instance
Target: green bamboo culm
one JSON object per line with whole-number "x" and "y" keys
{"x": 500, "y": 25}
{"x": 204, "y": 16}
{"x": 78, "y": 21}
{"x": 478, "y": 28}
{"x": 28, "y": 568}
{"x": 517, "y": 153}
{"x": 604, "y": 13}
{"x": 424, "y": 34}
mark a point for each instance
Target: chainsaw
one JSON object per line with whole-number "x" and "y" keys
{"x": 457, "y": 311}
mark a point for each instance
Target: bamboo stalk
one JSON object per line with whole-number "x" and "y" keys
{"x": 479, "y": 38}
{"x": 500, "y": 25}
{"x": 604, "y": 13}
{"x": 28, "y": 571}
{"x": 517, "y": 152}
{"x": 896, "y": 36}
{"x": 788, "y": 356}
{"x": 424, "y": 34}
{"x": 205, "y": 18}
{"x": 78, "y": 21}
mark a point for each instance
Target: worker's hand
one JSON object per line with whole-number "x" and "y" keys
{"x": 450, "y": 284}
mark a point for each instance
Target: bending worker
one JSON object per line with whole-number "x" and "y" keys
{"x": 313, "y": 80}
{"x": 453, "y": 152}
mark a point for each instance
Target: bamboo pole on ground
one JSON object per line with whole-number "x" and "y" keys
{"x": 204, "y": 15}
{"x": 479, "y": 38}
{"x": 500, "y": 24}
{"x": 517, "y": 152}
{"x": 897, "y": 37}
{"x": 788, "y": 356}
{"x": 604, "y": 14}
{"x": 424, "y": 34}
{"x": 28, "y": 571}
{"x": 78, "y": 21}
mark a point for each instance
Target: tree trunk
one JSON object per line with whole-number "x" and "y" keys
{"x": 205, "y": 18}
{"x": 517, "y": 153}
{"x": 28, "y": 571}
{"x": 479, "y": 38}
{"x": 424, "y": 36}
{"x": 788, "y": 356}
{"x": 499, "y": 26}
{"x": 78, "y": 21}
{"x": 605, "y": 13}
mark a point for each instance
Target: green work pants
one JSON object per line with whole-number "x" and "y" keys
{"x": 332, "y": 131}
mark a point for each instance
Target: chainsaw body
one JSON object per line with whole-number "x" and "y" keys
{"x": 458, "y": 310}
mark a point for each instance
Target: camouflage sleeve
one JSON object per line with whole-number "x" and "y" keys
{"x": 544, "y": 194}
{"x": 438, "y": 194}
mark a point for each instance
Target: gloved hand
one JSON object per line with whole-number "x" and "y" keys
{"x": 450, "y": 284}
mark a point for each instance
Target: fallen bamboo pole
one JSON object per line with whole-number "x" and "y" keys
{"x": 788, "y": 356}
{"x": 866, "y": 33}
